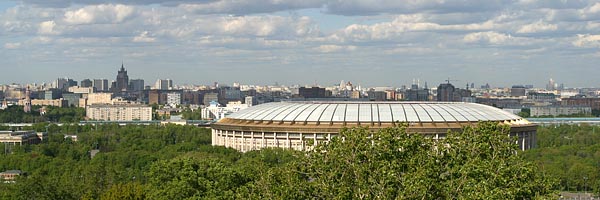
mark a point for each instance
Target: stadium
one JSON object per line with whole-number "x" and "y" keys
{"x": 292, "y": 124}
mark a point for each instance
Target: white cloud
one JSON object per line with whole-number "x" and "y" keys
{"x": 335, "y": 48}
{"x": 104, "y": 13}
{"x": 488, "y": 37}
{"x": 14, "y": 45}
{"x": 47, "y": 28}
{"x": 144, "y": 37}
{"x": 587, "y": 40}
{"x": 537, "y": 27}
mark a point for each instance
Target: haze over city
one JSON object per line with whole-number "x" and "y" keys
{"x": 303, "y": 42}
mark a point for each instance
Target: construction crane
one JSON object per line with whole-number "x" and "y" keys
{"x": 448, "y": 80}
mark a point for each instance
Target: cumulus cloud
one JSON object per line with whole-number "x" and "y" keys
{"x": 335, "y": 48}
{"x": 587, "y": 40}
{"x": 47, "y": 28}
{"x": 250, "y": 6}
{"x": 144, "y": 37}
{"x": 537, "y": 27}
{"x": 99, "y": 14}
{"x": 488, "y": 37}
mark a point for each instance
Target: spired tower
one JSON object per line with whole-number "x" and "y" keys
{"x": 122, "y": 80}
{"x": 27, "y": 103}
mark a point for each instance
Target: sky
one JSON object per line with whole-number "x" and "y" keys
{"x": 368, "y": 42}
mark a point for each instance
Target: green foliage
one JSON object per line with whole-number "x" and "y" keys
{"x": 477, "y": 163}
{"x": 15, "y": 114}
{"x": 191, "y": 115}
{"x": 178, "y": 162}
{"x": 570, "y": 153}
{"x": 63, "y": 169}
{"x": 525, "y": 112}
{"x": 128, "y": 191}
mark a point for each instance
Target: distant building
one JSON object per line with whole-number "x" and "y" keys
{"x": 209, "y": 97}
{"x": 250, "y": 100}
{"x": 101, "y": 85}
{"x": 541, "y": 96}
{"x": 119, "y": 112}
{"x": 122, "y": 83}
{"x": 27, "y": 102}
{"x": 377, "y": 95}
{"x": 72, "y": 99}
{"x": 22, "y": 137}
{"x": 594, "y": 103}
{"x": 64, "y": 83}
{"x": 173, "y": 98}
{"x": 52, "y": 94}
{"x": 517, "y": 91}
{"x": 215, "y": 111}
{"x": 43, "y": 102}
{"x": 81, "y": 90}
{"x": 99, "y": 98}
{"x": 163, "y": 84}
{"x": 312, "y": 92}
{"x": 447, "y": 92}
{"x": 10, "y": 175}
{"x": 551, "y": 85}
{"x": 416, "y": 94}
{"x": 537, "y": 111}
{"x": 227, "y": 94}
{"x": 355, "y": 94}
{"x": 86, "y": 83}
{"x": 136, "y": 85}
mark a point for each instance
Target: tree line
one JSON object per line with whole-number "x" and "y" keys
{"x": 570, "y": 153}
{"x": 15, "y": 114}
{"x": 179, "y": 162}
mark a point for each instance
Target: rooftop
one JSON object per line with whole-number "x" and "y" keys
{"x": 375, "y": 112}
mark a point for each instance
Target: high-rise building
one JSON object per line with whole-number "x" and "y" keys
{"x": 101, "y": 85}
{"x": 517, "y": 91}
{"x": 72, "y": 98}
{"x": 551, "y": 85}
{"x": 64, "y": 83}
{"x": 445, "y": 92}
{"x": 163, "y": 84}
{"x": 249, "y": 100}
{"x": 122, "y": 83}
{"x": 86, "y": 83}
{"x": 136, "y": 85}
{"x": 174, "y": 98}
{"x": 209, "y": 97}
{"x": 312, "y": 92}
{"x": 27, "y": 103}
{"x": 52, "y": 94}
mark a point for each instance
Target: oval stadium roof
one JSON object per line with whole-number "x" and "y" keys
{"x": 375, "y": 112}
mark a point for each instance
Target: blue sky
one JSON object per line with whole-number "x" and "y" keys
{"x": 369, "y": 42}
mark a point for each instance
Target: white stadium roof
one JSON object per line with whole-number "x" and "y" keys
{"x": 375, "y": 112}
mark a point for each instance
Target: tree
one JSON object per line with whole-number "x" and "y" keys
{"x": 478, "y": 163}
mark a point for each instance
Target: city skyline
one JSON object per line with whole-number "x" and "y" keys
{"x": 375, "y": 43}
{"x": 401, "y": 83}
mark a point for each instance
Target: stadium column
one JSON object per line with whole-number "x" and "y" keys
{"x": 262, "y": 141}
{"x": 287, "y": 140}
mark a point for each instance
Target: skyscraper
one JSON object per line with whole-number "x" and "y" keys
{"x": 163, "y": 84}
{"x": 122, "y": 80}
{"x": 445, "y": 92}
{"x": 100, "y": 84}
{"x": 136, "y": 85}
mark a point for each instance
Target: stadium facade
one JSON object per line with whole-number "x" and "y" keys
{"x": 293, "y": 124}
